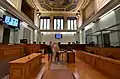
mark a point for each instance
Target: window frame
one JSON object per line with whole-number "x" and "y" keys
{"x": 61, "y": 26}
{"x": 45, "y": 26}
{"x": 71, "y": 23}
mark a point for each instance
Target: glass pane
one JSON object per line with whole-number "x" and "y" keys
{"x": 68, "y": 22}
{"x": 41, "y": 24}
{"x": 45, "y": 25}
{"x": 58, "y": 24}
{"x": 48, "y": 24}
{"x": 62, "y": 24}
{"x": 72, "y": 26}
{"x": 75, "y": 24}
{"x": 54, "y": 24}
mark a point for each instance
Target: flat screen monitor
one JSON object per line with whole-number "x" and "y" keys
{"x": 58, "y": 36}
{"x": 13, "y": 22}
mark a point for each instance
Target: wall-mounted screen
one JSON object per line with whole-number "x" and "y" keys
{"x": 58, "y": 36}
{"x": 14, "y": 22}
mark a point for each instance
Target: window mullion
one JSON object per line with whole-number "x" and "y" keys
{"x": 73, "y": 24}
{"x": 43, "y": 24}
{"x": 46, "y": 24}
{"x": 60, "y": 24}
{"x": 70, "y": 25}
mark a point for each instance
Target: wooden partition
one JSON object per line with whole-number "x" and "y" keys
{"x": 106, "y": 52}
{"x": 43, "y": 46}
{"x": 24, "y": 67}
{"x": 108, "y": 65}
{"x": 112, "y": 52}
{"x": 74, "y": 46}
{"x": 31, "y": 48}
{"x": 10, "y": 52}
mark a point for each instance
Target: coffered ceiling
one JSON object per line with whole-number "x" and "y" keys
{"x": 61, "y": 6}
{"x": 58, "y": 5}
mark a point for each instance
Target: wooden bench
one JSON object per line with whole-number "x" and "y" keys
{"x": 108, "y": 65}
{"x": 11, "y": 52}
{"x": 106, "y": 52}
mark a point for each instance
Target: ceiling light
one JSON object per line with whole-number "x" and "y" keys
{"x": 37, "y": 10}
{"x": 38, "y": 14}
{"x": 76, "y": 14}
{"x": 78, "y": 10}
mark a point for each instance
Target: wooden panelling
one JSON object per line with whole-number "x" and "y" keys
{"x": 106, "y": 52}
{"x": 31, "y": 48}
{"x": 108, "y": 65}
{"x": 24, "y": 67}
{"x": 10, "y": 52}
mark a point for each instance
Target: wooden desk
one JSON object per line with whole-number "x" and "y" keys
{"x": 24, "y": 67}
